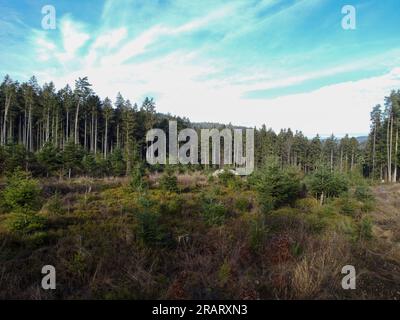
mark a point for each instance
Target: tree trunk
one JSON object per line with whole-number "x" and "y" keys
{"x": 84, "y": 141}
{"x": 67, "y": 127}
{"x": 6, "y": 108}
{"x": 76, "y": 122}
{"x": 341, "y": 159}
{"x": 95, "y": 136}
{"x": 105, "y": 139}
{"x": 395, "y": 156}
{"x": 118, "y": 136}
{"x": 373, "y": 154}
{"x": 388, "y": 148}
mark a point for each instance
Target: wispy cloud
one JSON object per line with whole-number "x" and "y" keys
{"x": 215, "y": 61}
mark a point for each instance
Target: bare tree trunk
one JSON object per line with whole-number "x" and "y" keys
{"x": 389, "y": 160}
{"x": 56, "y": 129}
{"x": 30, "y": 137}
{"x": 128, "y": 155}
{"x": 67, "y": 127}
{"x": 105, "y": 139}
{"x": 95, "y": 137}
{"x": 373, "y": 154}
{"x": 391, "y": 147}
{"x": 6, "y": 109}
{"x": 92, "y": 133}
{"x": 76, "y": 122}
{"x": 395, "y": 156}
{"x": 118, "y": 136}
{"x": 352, "y": 160}
{"x": 48, "y": 126}
{"x": 341, "y": 159}
{"x": 84, "y": 143}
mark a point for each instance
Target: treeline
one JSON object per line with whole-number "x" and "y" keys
{"x": 73, "y": 131}
{"x": 382, "y": 150}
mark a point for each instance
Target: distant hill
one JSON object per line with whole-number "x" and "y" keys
{"x": 362, "y": 139}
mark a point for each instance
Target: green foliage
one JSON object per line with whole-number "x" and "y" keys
{"x": 54, "y": 205}
{"x": 277, "y": 187}
{"x": 50, "y": 158}
{"x": 22, "y": 193}
{"x": 72, "y": 157}
{"x": 213, "y": 211}
{"x": 138, "y": 182}
{"x": 226, "y": 177}
{"x": 327, "y": 182}
{"x": 89, "y": 164}
{"x": 307, "y": 205}
{"x": 170, "y": 204}
{"x": 297, "y": 249}
{"x": 224, "y": 273}
{"x": 365, "y": 229}
{"x": 25, "y": 223}
{"x": 363, "y": 193}
{"x": 168, "y": 181}
{"x": 14, "y": 156}
{"x": 150, "y": 230}
{"x": 243, "y": 204}
{"x": 258, "y": 232}
{"x": 347, "y": 205}
{"x": 118, "y": 166}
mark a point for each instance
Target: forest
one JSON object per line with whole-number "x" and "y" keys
{"x": 76, "y": 193}
{"x": 73, "y": 131}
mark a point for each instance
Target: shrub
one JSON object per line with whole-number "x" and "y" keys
{"x": 170, "y": 204}
{"x": 54, "y": 205}
{"x": 243, "y": 204}
{"x": 25, "y": 223}
{"x": 277, "y": 187}
{"x": 226, "y": 177}
{"x": 365, "y": 229}
{"x": 169, "y": 181}
{"x": 22, "y": 193}
{"x": 306, "y": 204}
{"x": 326, "y": 183}
{"x": 150, "y": 230}
{"x": 258, "y": 232}
{"x": 138, "y": 182}
{"x": 363, "y": 193}
{"x": 214, "y": 212}
{"x": 347, "y": 206}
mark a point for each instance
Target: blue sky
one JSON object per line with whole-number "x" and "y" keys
{"x": 285, "y": 63}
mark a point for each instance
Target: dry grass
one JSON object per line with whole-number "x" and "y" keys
{"x": 318, "y": 272}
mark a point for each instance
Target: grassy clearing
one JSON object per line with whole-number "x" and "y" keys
{"x": 204, "y": 239}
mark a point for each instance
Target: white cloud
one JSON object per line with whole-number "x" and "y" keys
{"x": 73, "y": 38}
{"x": 184, "y": 85}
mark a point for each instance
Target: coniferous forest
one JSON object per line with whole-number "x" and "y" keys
{"x": 77, "y": 194}
{"x": 72, "y": 131}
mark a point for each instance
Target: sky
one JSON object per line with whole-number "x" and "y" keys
{"x": 282, "y": 63}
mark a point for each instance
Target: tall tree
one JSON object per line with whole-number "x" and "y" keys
{"x": 82, "y": 91}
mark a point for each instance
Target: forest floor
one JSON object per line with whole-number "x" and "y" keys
{"x": 207, "y": 240}
{"x": 383, "y": 253}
